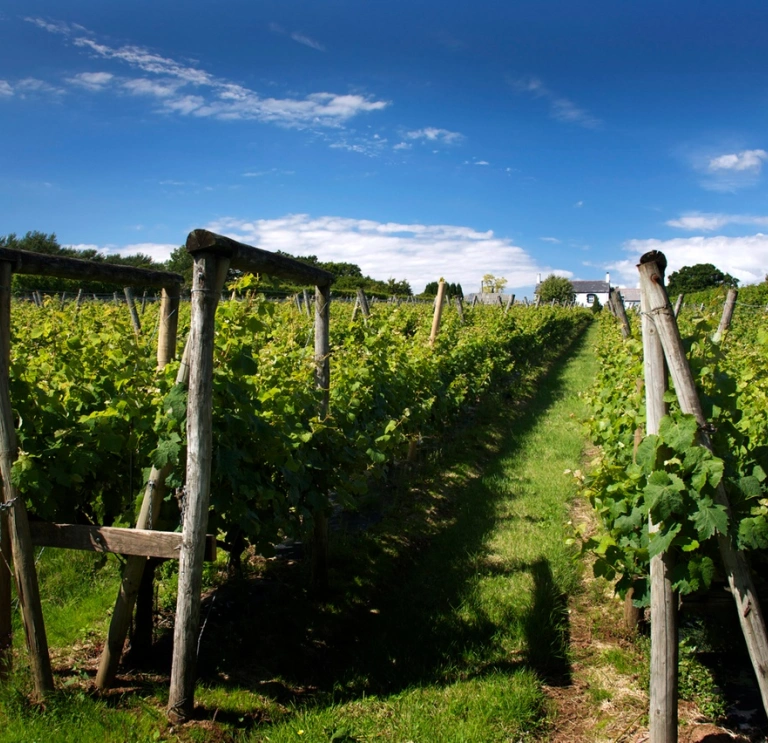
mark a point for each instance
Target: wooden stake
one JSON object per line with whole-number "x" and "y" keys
{"x": 205, "y": 294}
{"x": 322, "y": 382}
{"x": 305, "y": 296}
{"x": 356, "y": 307}
{"x": 651, "y": 269}
{"x": 79, "y": 299}
{"x": 510, "y": 302}
{"x": 143, "y": 302}
{"x": 363, "y": 301}
{"x": 18, "y": 524}
{"x": 475, "y": 300}
{"x": 132, "y": 309}
{"x": 6, "y": 624}
{"x": 618, "y": 308}
{"x": 438, "y": 312}
{"x": 664, "y": 640}
{"x": 725, "y": 320}
{"x": 460, "y": 309}
{"x": 678, "y": 304}
{"x": 169, "y": 322}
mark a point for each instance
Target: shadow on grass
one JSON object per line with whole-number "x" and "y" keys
{"x": 394, "y": 617}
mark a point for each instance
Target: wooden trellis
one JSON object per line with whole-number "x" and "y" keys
{"x": 213, "y": 256}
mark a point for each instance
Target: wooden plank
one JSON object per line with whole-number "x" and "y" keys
{"x": 135, "y": 542}
{"x": 18, "y": 524}
{"x": 247, "y": 258}
{"x": 205, "y": 296}
{"x": 664, "y": 641}
{"x": 41, "y": 264}
{"x": 651, "y": 269}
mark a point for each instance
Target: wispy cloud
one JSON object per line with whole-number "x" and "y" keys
{"x": 727, "y": 171}
{"x": 191, "y": 91}
{"x": 92, "y": 80}
{"x": 402, "y": 146}
{"x": 311, "y": 43}
{"x": 707, "y": 222}
{"x": 578, "y": 204}
{"x": 297, "y": 36}
{"x": 435, "y": 135}
{"x": 5, "y": 88}
{"x": 271, "y": 171}
{"x": 560, "y": 108}
{"x": 552, "y": 240}
{"x": 745, "y": 258}
{"x": 418, "y": 252}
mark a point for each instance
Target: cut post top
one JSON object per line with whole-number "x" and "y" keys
{"x": 654, "y": 256}
{"x": 255, "y": 260}
{"x": 62, "y": 267}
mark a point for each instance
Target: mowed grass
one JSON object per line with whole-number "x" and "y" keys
{"x": 446, "y": 637}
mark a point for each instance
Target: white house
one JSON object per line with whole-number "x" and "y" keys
{"x": 587, "y": 291}
{"x": 630, "y": 297}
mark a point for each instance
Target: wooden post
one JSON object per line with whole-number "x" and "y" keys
{"x": 305, "y": 297}
{"x": 79, "y": 299}
{"x": 18, "y": 524}
{"x": 438, "y": 312}
{"x": 618, "y": 307}
{"x": 678, "y": 304}
{"x": 460, "y": 309}
{"x": 322, "y": 382}
{"x": 298, "y": 302}
{"x": 154, "y": 493}
{"x": 6, "y": 624}
{"x": 132, "y": 309}
{"x": 510, "y": 302}
{"x": 725, "y": 320}
{"x": 169, "y": 322}
{"x": 205, "y": 294}
{"x": 651, "y": 269}
{"x": 114, "y": 298}
{"x": 143, "y": 302}
{"x": 475, "y": 300}
{"x": 363, "y": 301}
{"x": 664, "y": 640}
{"x": 63, "y": 299}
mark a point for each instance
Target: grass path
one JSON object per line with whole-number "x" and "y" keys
{"x": 457, "y": 648}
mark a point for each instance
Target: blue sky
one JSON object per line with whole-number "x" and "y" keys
{"x": 418, "y": 139}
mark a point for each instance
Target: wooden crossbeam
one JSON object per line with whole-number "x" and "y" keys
{"x": 136, "y": 542}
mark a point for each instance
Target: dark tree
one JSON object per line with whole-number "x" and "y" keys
{"x": 690, "y": 279}
{"x": 557, "y": 288}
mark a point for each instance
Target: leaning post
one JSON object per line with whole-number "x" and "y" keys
{"x": 135, "y": 322}
{"x": 727, "y": 316}
{"x": 651, "y": 269}
{"x": 664, "y": 640}
{"x": 620, "y": 312}
{"x": 205, "y": 296}
{"x": 438, "y": 312}
{"x": 18, "y": 524}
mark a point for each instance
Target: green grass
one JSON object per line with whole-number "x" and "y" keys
{"x": 444, "y": 621}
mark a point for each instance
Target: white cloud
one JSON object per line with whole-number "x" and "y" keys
{"x": 433, "y": 134}
{"x": 746, "y": 257}
{"x": 579, "y": 204}
{"x": 560, "y": 108}
{"x": 5, "y": 88}
{"x": 419, "y": 253}
{"x": 31, "y": 85}
{"x": 54, "y": 27}
{"x": 694, "y": 221}
{"x": 481, "y": 162}
{"x": 271, "y": 171}
{"x": 552, "y": 240}
{"x": 311, "y": 43}
{"x": 750, "y": 160}
{"x": 187, "y": 90}
{"x": 402, "y": 146}
{"x": 159, "y": 252}
{"x": 92, "y": 80}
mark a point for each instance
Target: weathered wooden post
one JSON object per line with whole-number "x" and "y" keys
{"x": 206, "y": 288}
{"x": 475, "y": 300}
{"x": 323, "y": 383}
{"x": 154, "y": 494}
{"x": 18, "y": 524}
{"x": 618, "y": 307}
{"x": 725, "y": 320}
{"x": 678, "y": 304}
{"x": 664, "y": 639}
{"x": 135, "y": 322}
{"x": 438, "y": 312}
{"x": 79, "y": 300}
{"x": 63, "y": 299}
{"x": 6, "y": 623}
{"x": 363, "y": 301}
{"x": 460, "y": 308}
{"x": 114, "y": 298}
{"x": 510, "y": 302}
{"x": 143, "y": 302}
{"x": 651, "y": 269}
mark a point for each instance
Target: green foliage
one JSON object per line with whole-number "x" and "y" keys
{"x": 557, "y": 288}
{"x": 696, "y": 278}
{"x": 670, "y": 478}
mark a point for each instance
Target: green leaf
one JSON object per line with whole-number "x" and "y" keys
{"x": 661, "y": 540}
{"x": 647, "y": 453}
{"x": 663, "y": 494}
{"x": 167, "y": 451}
{"x": 753, "y": 533}
{"x": 678, "y": 432}
{"x": 709, "y": 519}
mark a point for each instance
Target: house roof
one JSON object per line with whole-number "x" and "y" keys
{"x": 630, "y": 295}
{"x": 587, "y": 287}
